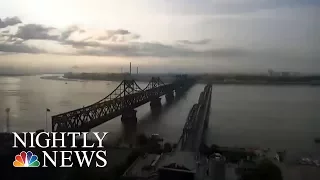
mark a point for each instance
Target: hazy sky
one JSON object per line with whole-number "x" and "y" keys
{"x": 160, "y": 35}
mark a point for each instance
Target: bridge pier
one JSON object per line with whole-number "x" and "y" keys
{"x": 129, "y": 123}
{"x": 179, "y": 91}
{"x": 129, "y": 117}
{"x": 155, "y": 103}
{"x": 169, "y": 96}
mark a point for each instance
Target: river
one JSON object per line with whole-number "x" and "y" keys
{"x": 278, "y": 117}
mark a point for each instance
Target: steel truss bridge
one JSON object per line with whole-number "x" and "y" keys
{"x": 127, "y": 96}
{"x": 197, "y": 122}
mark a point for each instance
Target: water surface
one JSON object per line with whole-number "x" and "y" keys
{"x": 279, "y": 117}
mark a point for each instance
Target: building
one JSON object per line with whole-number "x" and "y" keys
{"x": 175, "y": 165}
{"x": 270, "y": 72}
{"x": 217, "y": 167}
{"x": 143, "y": 167}
{"x": 246, "y": 167}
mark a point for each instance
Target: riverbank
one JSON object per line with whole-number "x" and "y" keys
{"x": 59, "y": 78}
{"x": 283, "y": 83}
{"x": 203, "y": 79}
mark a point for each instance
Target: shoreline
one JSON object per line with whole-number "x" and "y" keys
{"x": 58, "y": 78}
{"x": 267, "y": 83}
{"x": 61, "y": 78}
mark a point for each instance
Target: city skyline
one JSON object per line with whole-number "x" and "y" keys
{"x": 160, "y": 36}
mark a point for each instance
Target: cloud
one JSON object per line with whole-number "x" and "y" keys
{"x": 254, "y": 34}
{"x": 135, "y": 36}
{"x": 198, "y": 42}
{"x": 67, "y": 32}
{"x": 121, "y": 32}
{"x": 120, "y": 35}
{"x": 15, "y": 41}
{"x": 231, "y": 6}
{"x": 19, "y": 48}
{"x": 35, "y": 31}
{"x": 9, "y": 21}
{"x": 5, "y": 31}
{"x": 81, "y": 44}
{"x": 108, "y": 43}
{"x": 75, "y": 67}
{"x": 148, "y": 49}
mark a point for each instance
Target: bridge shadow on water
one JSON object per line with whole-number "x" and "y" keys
{"x": 155, "y": 114}
{"x": 131, "y": 131}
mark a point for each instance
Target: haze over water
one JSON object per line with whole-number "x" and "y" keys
{"x": 277, "y": 117}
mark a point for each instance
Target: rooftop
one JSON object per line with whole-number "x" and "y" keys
{"x": 185, "y": 159}
{"x": 149, "y": 165}
{"x": 142, "y": 166}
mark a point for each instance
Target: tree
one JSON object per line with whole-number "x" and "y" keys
{"x": 142, "y": 139}
{"x": 214, "y": 147}
{"x": 266, "y": 170}
{"x": 204, "y": 149}
{"x": 167, "y": 148}
{"x": 174, "y": 146}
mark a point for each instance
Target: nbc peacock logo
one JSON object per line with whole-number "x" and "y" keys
{"x": 26, "y": 160}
